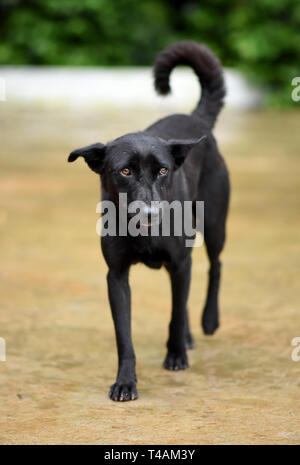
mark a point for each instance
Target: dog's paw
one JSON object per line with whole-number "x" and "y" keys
{"x": 210, "y": 325}
{"x": 123, "y": 392}
{"x": 189, "y": 341}
{"x": 175, "y": 362}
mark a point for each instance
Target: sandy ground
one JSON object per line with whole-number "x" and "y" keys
{"x": 242, "y": 385}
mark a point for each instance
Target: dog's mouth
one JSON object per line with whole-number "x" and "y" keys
{"x": 147, "y": 223}
{"x": 146, "y": 219}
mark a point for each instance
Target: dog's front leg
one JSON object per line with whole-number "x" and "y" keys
{"x": 119, "y": 296}
{"x": 180, "y": 275}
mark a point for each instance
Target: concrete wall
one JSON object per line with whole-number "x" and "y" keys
{"x": 124, "y": 87}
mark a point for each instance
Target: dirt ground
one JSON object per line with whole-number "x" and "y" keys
{"x": 242, "y": 385}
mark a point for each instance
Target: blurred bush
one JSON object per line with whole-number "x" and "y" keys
{"x": 260, "y": 37}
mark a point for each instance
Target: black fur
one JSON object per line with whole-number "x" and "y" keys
{"x": 196, "y": 171}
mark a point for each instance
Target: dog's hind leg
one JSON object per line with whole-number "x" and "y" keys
{"x": 189, "y": 340}
{"x": 210, "y": 316}
{"x": 180, "y": 275}
{"x": 216, "y": 198}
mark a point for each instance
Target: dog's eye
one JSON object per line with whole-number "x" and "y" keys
{"x": 163, "y": 171}
{"x": 126, "y": 172}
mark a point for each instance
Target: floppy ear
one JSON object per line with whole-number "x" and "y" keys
{"x": 93, "y": 155}
{"x": 180, "y": 148}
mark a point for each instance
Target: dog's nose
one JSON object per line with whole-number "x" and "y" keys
{"x": 150, "y": 214}
{"x": 151, "y": 210}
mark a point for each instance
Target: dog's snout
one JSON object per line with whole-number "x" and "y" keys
{"x": 151, "y": 211}
{"x": 150, "y": 215}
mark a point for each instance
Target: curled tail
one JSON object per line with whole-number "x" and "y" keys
{"x": 206, "y": 66}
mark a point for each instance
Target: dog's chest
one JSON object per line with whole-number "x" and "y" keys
{"x": 149, "y": 251}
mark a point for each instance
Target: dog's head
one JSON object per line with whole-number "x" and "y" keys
{"x": 139, "y": 165}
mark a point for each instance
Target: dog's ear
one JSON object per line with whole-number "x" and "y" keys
{"x": 180, "y": 148}
{"x": 93, "y": 154}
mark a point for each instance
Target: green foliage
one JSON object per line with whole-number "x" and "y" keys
{"x": 261, "y": 37}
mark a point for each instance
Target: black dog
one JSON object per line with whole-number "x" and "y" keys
{"x": 171, "y": 160}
